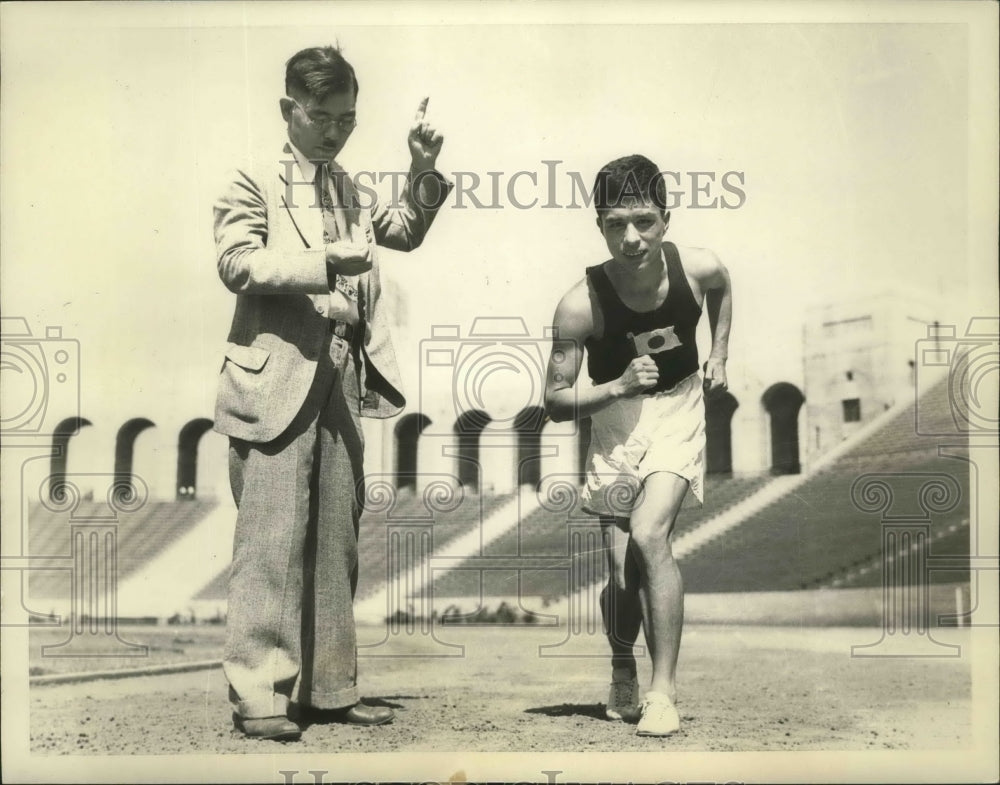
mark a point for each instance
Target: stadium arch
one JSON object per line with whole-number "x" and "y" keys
{"x": 407, "y": 434}
{"x": 719, "y": 410}
{"x": 187, "y": 457}
{"x": 58, "y": 466}
{"x": 782, "y": 402}
{"x": 468, "y": 428}
{"x": 528, "y": 426}
{"x": 125, "y": 448}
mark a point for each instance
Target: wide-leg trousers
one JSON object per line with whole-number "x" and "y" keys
{"x": 290, "y": 624}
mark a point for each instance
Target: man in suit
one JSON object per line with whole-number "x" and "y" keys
{"x": 309, "y": 354}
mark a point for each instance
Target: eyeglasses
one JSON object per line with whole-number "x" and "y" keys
{"x": 325, "y": 123}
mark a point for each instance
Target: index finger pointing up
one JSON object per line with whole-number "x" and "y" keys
{"x": 422, "y": 108}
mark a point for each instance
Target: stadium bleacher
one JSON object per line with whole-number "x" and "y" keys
{"x": 541, "y": 553}
{"x": 139, "y": 536}
{"x": 811, "y": 537}
{"x": 408, "y": 509}
{"x": 947, "y": 544}
{"x": 412, "y": 509}
{"x": 816, "y": 536}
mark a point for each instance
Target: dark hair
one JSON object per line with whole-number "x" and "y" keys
{"x": 633, "y": 179}
{"x": 319, "y": 72}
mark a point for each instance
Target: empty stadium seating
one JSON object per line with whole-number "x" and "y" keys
{"x": 408, "y": 509}
{"x": 546, "y": 548}
{"x": 816, "y": 536}
{"x": 413, "y": 511}
{"x": 138, "y": 537}
{"x": 813, "y": 537}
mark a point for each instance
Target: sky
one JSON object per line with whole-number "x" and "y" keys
{"x": 855, "y": 147}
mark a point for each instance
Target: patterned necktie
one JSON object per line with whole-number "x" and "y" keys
{"x": 336, "y": 227}
{"x": 332, "y": 229}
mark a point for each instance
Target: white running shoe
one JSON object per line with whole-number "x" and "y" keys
{"x": 623, "y": 700}
{"x": 659, "y": 716}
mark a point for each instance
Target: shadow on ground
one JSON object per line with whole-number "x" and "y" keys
{"x": 592, "y": 710}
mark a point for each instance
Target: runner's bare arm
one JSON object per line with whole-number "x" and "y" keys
{"x": 574, "y": 323}
{"x": 713, "y": 278}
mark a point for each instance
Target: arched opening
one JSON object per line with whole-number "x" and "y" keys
{"x": 187, "y": 457}
{"x": 719, "y": 410}
{"x": 407, "y": 433}
{"x": 60, "y": 450}
{"x": 125, "y": 448}
{"x": 468, "y": 427}
{"x": 783, "y": 401}
{"x": 528, "y": 424}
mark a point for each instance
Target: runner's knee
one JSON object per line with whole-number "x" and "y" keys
{"x": 652, "y": 537}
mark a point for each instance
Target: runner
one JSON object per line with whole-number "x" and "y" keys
{"x": 636, "y": 315}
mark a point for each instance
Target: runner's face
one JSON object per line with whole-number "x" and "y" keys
{"x": 633, "y": 234}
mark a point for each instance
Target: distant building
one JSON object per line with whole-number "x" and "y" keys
{"x": 859, "y": 361}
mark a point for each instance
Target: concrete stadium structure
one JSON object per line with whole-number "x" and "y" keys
{"x": 477, "y": 415}
{"x": 153, "y": 493}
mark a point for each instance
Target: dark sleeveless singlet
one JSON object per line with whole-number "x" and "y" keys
{"x": 609, "y": 356}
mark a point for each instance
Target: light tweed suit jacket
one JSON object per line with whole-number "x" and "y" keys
{"x": 269, "y": 245}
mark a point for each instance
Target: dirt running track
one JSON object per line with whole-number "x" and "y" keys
{"x": 741, "y": 689}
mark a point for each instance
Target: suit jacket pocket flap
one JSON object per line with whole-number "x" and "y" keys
{"x": 252, "y": 358}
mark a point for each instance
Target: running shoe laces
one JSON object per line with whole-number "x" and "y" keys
{"x": 623, "y": 700}
{"x": 659, "y": 716}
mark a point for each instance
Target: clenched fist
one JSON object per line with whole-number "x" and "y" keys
{"x": 641, "y": 375}
{"x": 346, "y": 258}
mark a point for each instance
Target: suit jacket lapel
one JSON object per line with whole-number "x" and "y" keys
{"x": 298, "y": 200}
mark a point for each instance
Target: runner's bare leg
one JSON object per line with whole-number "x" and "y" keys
{"x": 620, "y": 604}
{"x": 661, "y": 590}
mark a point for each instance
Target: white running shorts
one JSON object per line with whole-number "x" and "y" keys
{"x": 636, "y": 437}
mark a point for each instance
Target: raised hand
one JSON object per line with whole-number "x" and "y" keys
{"x": 424, "y": 140}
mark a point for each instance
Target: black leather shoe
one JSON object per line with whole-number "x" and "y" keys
{"x": 358, "y": 714}
{"x": 269, "y": 728}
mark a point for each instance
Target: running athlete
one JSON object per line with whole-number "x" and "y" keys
{"x": 636, "y": 315}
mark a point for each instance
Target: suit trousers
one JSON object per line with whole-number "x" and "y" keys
{"x": 290, "y": 625}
